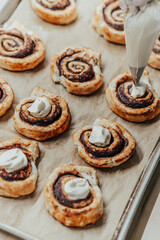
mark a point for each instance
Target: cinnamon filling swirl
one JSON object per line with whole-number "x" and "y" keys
{"x": 117, "y": 144}
{"x": 114, "y": 18}
{"x": 61, "y": 196}
{"x": 54, "y": 4}
{"x": 75, "y": 69}
{"x": 21, "y": 174}
{"x": 53, "y": 116}
{"x": 15, "y": 45}
{"x": 156, "y": 48}
{"x": 124, "y": 95}
{"x": 3, "y": 94}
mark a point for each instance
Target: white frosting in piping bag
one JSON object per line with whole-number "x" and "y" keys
{"x": 141, "y": 31}
{"x": 13, "y": 159}
{"x": 100, "y": 136}
{"x": 77, "y": 188}
{"x": 40, "y": 107}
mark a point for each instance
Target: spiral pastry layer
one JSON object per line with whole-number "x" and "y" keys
{"x": 56, "y": 11}
{"x": 78, "y": 69}
{"x": 77, "y": 213}
{"x": 23, "y": 181}
{"x": 121, "y": 102}
{"x": 20, "y": 49}
{"x": 53, "y": 124}
{"x": 154, "y": 60}
{"x": 109, "y": 21}
{"x": 119, "y": 150}
{"x": 6, "y": 96}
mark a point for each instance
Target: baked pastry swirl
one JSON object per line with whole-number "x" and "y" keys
{"x": 109, "y": 21}
{"x": 20, "y": 49}
{"x": 22, "y": 181}
{"x": 78, "y": 69}
{"x": 56, "y": 11}
{"x": 121, "y": 102}
{"x": 6, "y": 96}
{"x": 65, "y": 205}
{"x": 41, "y": 128}
{"x": 154, "y": 60}
{"x": 119, "y": 149}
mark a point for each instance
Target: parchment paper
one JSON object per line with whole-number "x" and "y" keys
{"x": 29, "y": 213}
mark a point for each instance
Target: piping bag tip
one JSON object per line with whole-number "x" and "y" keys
{"x": 136, "y": 73}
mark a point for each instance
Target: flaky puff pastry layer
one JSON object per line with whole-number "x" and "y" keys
{"x": 11, "y": 185}
{"x": 56, "y": 122}
{"x": 20, "y": 48}
{"x": 58, "y": 12}
{"x": 82, "y": 214}
{"x": 6, "y": 96}
{"x": 77, "y": 69}
{"x": 119, "y": 150}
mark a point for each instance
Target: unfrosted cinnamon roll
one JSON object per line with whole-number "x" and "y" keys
{"x": 154, "y": 60}
{"x": 109, "y": 21}
{"x": 104, "y": 144}
{"x": 134, "y": 109}
{"x": 72, "y": 195}
{"x": 18, "y": 173}
{"x": 56, "y": 11}
{"x": 6, "y": 96}
{"x": 41, "y": 116}
{"x": 78, "y": 69}
{"x": 20, "y": 49}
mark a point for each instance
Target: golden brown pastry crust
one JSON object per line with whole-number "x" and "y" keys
{"x": 6, "y": 96}
{"x": 127, "y": 107}
{"x": 109, "y": 21}
{"x": 118, "y": 151}
{"x": 60, "y": 12}
{"x": 20, "y": 48}
{"x": 56, "y": 122}
{"x": 78, "y": 69}
{"x": 14, "y": 187}
{"x": 154, "y": 60}
{"x": 80, "y": 213}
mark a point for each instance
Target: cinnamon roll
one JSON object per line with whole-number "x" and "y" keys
{"x": 72, "y": 195}
{"x": 134, "y": 109}
{"x": 78, "y": 69}
{"x": 41, "y": 116}
{"x": 56, "y": 11}
{"x": 154, "y": 60}
{"x": 6, "y": 96}
{"x": 105, "y": 144}
{"x": 109, "y": 21}
{"x": 18, "y": 172}
{"x": 20, "y": 49}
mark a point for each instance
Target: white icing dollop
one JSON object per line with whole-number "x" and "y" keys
{"x": 40, "y": 108}
{"x": 77, "y": 188}
{"x": 139, "y": 90}
{"x": 100, "y": 136}
{"x": 13, "y": 160}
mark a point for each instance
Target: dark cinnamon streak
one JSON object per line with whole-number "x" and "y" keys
{"x": 3, "y": 94}
{"x": 131, "y": 102}
{"x": 61, "y": 5}
{"x": 117, "y": 25}
{"x": 105, "y": 152}
{"x": 46, "y": 121}
{"x": 18, "y": 175}
{"x": 62, "y": 199}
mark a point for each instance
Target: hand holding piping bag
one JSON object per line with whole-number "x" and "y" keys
{"x": 142, "y": 25}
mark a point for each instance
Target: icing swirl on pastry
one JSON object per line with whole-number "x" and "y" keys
{"x": 53, "y": 109}
{"x": 100, "y": 136}
{"x": 54, "y": 4}
{"x": 113, "y": 15}
{"x": 125, "y": 91}
{"x": 15, "y": 44}
{"x": 40, "y": 108}
{"x": 68, "y": 195}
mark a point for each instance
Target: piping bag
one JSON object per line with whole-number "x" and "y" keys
{"x": 141, "y": 31}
